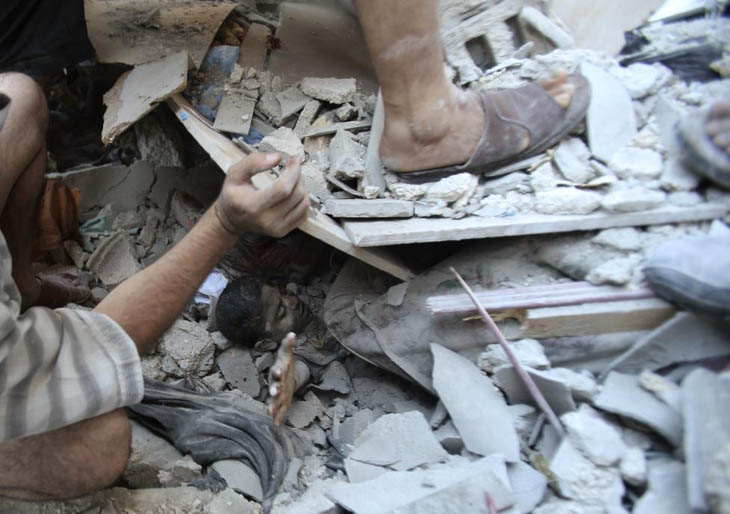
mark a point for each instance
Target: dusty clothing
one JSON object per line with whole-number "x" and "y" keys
{"x": 41, "y": 37}
{"x": 59, "y": 367}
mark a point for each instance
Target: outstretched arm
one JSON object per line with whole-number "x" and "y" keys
{"x": 146, "y": 304}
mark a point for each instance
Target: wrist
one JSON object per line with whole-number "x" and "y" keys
{"x": 220, "y": 225}
{"x": 222, "y": 221}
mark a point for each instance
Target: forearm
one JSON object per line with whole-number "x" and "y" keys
{"x": 146, "y": 304}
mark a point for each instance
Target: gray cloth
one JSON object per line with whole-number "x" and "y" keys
{"x": 59, "y": 367}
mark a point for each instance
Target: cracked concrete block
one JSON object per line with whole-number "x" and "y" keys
{"x": 556, "y": 393}
{"x": 593, "y": 436}
{"x": 572, "y": 158}
{"x": 284, "y": 141}
{"x": 347, "y": 156}
{"x": 545, "y": 26}
{"x": 667, "y": 491}
{"x": 113, "y": 261}
{"x": 291, "y": 100}
{"x": 625, "y": 239}
{"x": 616, "y": 272}
{"x": 633, "y": 200}
{"x": 304, "y": 411}
{"x": 567, "y": 200}
{"x": 240, "y": 477}
{"x": 377, "y": 208}
{"x": 528, "y": 485}
{"x": 306, "y": 117}
{"x": 639, "y": 163}
{"x": 581, "y": 387}
{"x": 453, "y": 188}
{"x": 336, "y": 91}
{"x": 187, "y": 349}
{"x": 528, "y": 352}
{"x": 677, "y": 177}
{"x": 633, "y": 467}
{"x": 239, "y": 370}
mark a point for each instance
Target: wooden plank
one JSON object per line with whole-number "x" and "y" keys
{"x": 332, "y": 129}
{"x": 373, "y": 175}
{"x": 596, "y": 318}
{"x": 235, "y": 113}
{"x": 254, "y": 47}
{"x": 420, "y": 230}
{"x": 225, "y": 154}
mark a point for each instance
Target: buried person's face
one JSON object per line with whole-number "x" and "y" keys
{"x": 283, "y": 312}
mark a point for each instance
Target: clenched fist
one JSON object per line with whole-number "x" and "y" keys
{"x": 274, "y": 210}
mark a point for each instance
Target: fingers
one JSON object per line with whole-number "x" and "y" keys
{"x": 284, "y": 185}
{"x": 254, "y": 163}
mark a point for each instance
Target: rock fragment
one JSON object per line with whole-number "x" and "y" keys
{"x": 633, "y": 200}
{"x": 335, "y": 91}
{"x": 616, "y": 272}
{"x": 667, "y": 490}
{"x": 626, "y": 239}
{"x": 501, "y": 185}
{"x": 556, "y": 393}
{"x": 642, "y": 80}
{"x": 572, "y": 158}
{"x": 187, "y": 350}
{"x": 529, "y": 352}
{"x": 633, "y": 467}
{"x": 528, "y": 485}
{"x": 303, "y": 412}
{"x": 240, "y": 477}
{"x": 581, "y": 387}
{"x": 640, "y": 163}
{"x": 676, "y": 177}
{"x": 593, "y": 436}
{"x": 335, "y": 378}
{"x": 347, "y": 157}
{"x": 113, "y": 261}
{"x": 284, "y": 141}
{"x": 291, "y": 100}
{"x": 239, "y": 370}
{"x": 451, "y": 189}
{"x": 567, "y": 200}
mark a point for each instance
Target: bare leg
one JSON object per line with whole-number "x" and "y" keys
{"x": 718, "y": 126}
{"x": 68, "y": 462}
{"x": 429, "y": 122}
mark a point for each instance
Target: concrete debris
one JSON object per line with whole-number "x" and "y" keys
{"x": 377, "y": 208}
{"x": 528, "y": 485}
{"x": 544, "y": 178}
{"x": 346, "y": 112}
{"x": 633, "y": 467}
{"x": 284, "y": 141}
{"x": 642, "y": 80}
{"x": 335, "y": 91}
{"x": 303, "y": 412}
{"x": 239, "y": 370}
{"x": 304, "y": 122}
{"x": 705, "y": 400}
{"x": 449, "y": 438}
{"x": 545, "y": 26}
{"x": 667, "y": 490}
{"x": 113, "y": 261}
{"x": 350, "y": 429}
{"x": 623, "y": 395}
{"x": 528, "y": 351}
{"x": 611, "y": 122}
{"x": 399, "y": 442}
{"x": 617, "y": 272}
{"x": 453, "y": 188}
{"x": 512, "y": 182}
{"x": 361, "y": 472}
{"x": 473, "y": 403}
{"x": 639, "y": 163}
{"x": 335, "y": 378}
{"x": 556, "y": 393}
{"x": 633, "y": 200}
{"x": 581, "y": 386}
{"x": 676, "y": 177}
{"x": 572, "y": 158}
{"x": 568, "y": 200}
{"x": 291, "y": 100}
{"x": 626, "y": 239}
{"x": 403, "y": 191}
{"x": 347, "y": 157}
{"x": 447, "y": 488}
{"x": 557, "y": 506}
{"x": 187, "y": 349}
{"x": 240, "y": 477}
{"x": 77, "y": 254}
{"x": 663, "y": 388}
{"x": 593, "y": 436}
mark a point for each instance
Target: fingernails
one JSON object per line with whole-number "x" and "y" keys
{"x": 271, "y": 157}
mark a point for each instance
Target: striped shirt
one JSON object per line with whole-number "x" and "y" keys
{"x": 58, "y": 367}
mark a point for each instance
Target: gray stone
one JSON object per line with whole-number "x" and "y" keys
{"x": 544, "y": 178}
{"x": 362, "y": 472}
{"x": 347, "y": 157}
{"x": 306, "y": 117}
{"x": 705, "y": 401}
{"x": 473, "y": 403}
{"x": 335, "y": 378}
{"x": 453, "y": 188}
{"x": 113, "y": 261}
{"x": 77, "y": 254}
{"x": 667, "y": 490}
{"x": 398, "y": 441}
{"x": 623, "y": 395}
{"x": 626, "y": 239}
{"x": 594, "y": 437}
{"x": 403, "y": 191}
{"x": 511, "y": 182}
{"x": 641, "y": 80}
{"x": 336, "y": 91}
{"x": 304, "y": 411}
{"x": 577, "y": 478}
{"x": 284, "y": 141}
{"x": 346, "y": 112}
{"x": 240, "y": 477}
{"x": 556, "y": 393}
{"x": 545, "y": 26}
{"x": 291, "y": 100}
{"x": 685, "y": 198}
{"x": 633, "y": 200}
{"x": 572, "y": 158}
{"x": 567, "y": 200}
{"x": 238, "y": 368}
{"x": 633, "y": 467}
{"x": 617, "y": 272}
{"x": 528, "y": 352}
{"x": 447, "y": 488}
{"x": 676, "y": 177}
{"x": 377, "y": 208}
{"x": 215, "y": 381}
{"x": 528, "y": 485}
{"x": 449, "y": 438}
{"x": 580, "y": 386}
{"x": 269, "y": 106}
{"x": 611, "y": 122}
{"x": 187, "y": 350}
{"x": 640, "y": 163}
{"x": 350, "y": 429}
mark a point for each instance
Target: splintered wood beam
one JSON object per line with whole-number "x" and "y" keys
{"x": 225, "y": 154}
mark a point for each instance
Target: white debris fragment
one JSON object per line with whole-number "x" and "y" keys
{"x": 626, "y": 239}
{"x": 284, "y": 141}
{"x": 336, "y": 91}
{"x": 347, "y": 156}
{"x": 572, "y": 158}
{"x": 642, "y": 80}
{"x": 453, "y": 188}
{"x": 640, "y": 163}
{"x": 529, "y": 352}
{"x": 633, "y": 200}
{"x": 594, "y": 437}
{"x": 187, "y": 350}
{"x": 633, "y": 467}
{"x": 581, "y": 386}
{"x": 568, "y": 200}
{"x": 616, "y": 271}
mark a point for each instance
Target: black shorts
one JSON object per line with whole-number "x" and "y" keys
{"x": 41, "y": 37}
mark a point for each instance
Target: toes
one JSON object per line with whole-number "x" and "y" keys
{"x": 557, "y": 79}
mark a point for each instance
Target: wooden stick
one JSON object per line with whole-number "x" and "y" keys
{"x": 527, "y": 379}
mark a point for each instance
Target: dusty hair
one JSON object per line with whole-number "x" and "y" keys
{"x": 239, "y": 312}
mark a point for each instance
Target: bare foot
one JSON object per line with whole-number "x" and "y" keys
{"x": 718, "y": 125}
{"x": 449, "y": 132}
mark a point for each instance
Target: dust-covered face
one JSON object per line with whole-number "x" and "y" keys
{"x": 283, "y": 312}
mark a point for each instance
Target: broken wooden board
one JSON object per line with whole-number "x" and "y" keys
{"x": 138, "y": 91}
{"x": 334, "y": 127}
{"x": 254, "y": 47}
{"x": 235, "y": 113}
{"x": 321, "y": 41}
{"x": 225, "y": 154}
{"x": 139, "y": 31}
{"x": 420, "y": 230}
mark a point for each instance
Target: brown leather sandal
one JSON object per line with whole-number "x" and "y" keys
{"x": 512, "y": 117}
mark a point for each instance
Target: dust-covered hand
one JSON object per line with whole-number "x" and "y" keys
{"x": 274, "y": 210}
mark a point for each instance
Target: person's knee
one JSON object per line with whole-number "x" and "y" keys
{"x": 28, "y": 108}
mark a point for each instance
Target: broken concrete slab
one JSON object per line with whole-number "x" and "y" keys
{"x": 187, "y": 349}
{"x": 113, "y": 261}
{"x": 705, "y": 401}
{"x": 582, "y": 387}
{"x": 639, "y": 163}
{"x": 625, "y": 239}
{"x": 633, "y": 467}
{"x": 667, "y": 490}
{"x": 284, "y": 141}
{"x": 528, "y": 485}
{"x": 240, "y": 477}
{"x": 506, "y": 183}
{"x": 633, "y": 199}
{"x": 376, "y": 208}
{"x": 335, "y": 378}
{"x": 347, "y": 157}
{"x": 304, "y": 411}
{"x": 474, "y": 403}
{"x": 593, "y": 436}
{"x": 572, "y": 158}
{"x": 335, "y": 91}
{"x": 556, "y": 393}
{"x": 683, "y": 338}
{"x": 139, "y": 91}
{"x": 254, "y": 47}
{"x": 292, "y": 100}
{"x": 611, "y": 122}
{"x": 453, "y": 188}
{"x": 350, "y": 429}
{"x": 398, "y": 441}
{"x": 306, "y": 117}
{"x": 447, "y": 488}
{"x": 623, "y": 395}
{"x": 239, "y": 370}
{"x": 528, "y": 352}
{"x": 449, "y": 438}
{"x": 362, "y": 472}
{"x": 235, "y": 112}
{"x": 567, "y": 200}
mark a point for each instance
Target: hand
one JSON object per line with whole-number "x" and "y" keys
{"x": 282, "y": 383}
{"x": 274, "y": 210}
